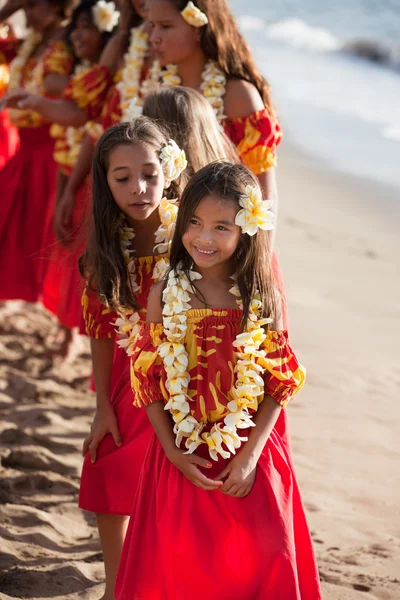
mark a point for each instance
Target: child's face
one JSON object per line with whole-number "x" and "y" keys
{"x": 212, "y": 237}
{"x": 136, "y": 180}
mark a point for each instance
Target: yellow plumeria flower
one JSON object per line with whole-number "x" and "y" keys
{"x": 255, "y": 213}
{"x": 194, "y": 16}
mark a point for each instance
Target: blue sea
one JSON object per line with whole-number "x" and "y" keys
{"x": 334, "y": 69}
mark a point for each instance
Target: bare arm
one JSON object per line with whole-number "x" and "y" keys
{"x": 54, "y": 84}
{"x": 105, "y": 421}
{"x": 63, "y": 112}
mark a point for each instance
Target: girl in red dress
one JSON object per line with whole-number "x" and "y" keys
{"x": 9, "y": 138}
{"x": 134, "y": 167}
{"x": 218, "y": 512}
{"x": 111, "y": 469}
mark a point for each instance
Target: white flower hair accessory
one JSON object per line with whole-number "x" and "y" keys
{"x": 194, "y": 16}
{"x": 173, "y": 161}
{"x": 255, "y": 213}
{"x": 105, "y": 15}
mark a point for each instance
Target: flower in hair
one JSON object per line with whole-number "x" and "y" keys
{"x": 173, "y": 161}
{"x": 255, "y": 213}
{"x": 105, "y": 15}
{"x": 194, "y": 16}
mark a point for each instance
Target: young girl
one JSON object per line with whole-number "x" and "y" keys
{"x": 42, "y": 65}
{"x": 111, "y": 469}
{"x": 218, "y": 513}
{"x": 199, "y": 46}
{"x": 134, "y": 168}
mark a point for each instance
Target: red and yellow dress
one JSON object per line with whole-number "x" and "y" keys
{"x": 109, "y": 485}
{"x": 185, "y": 542}
{"x": 63, "y": 287}
{"x": 28, "y": 183}
{"x": 9, "y": 138}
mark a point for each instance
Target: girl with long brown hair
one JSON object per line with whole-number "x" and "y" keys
{"x": 134, "y": 171}
{"x": 218, "y": 512}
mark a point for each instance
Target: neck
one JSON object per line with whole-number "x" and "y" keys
{"x": 143, "y": 242}
{"x": 219, "y": 273}
{"x": 190, "y": 71}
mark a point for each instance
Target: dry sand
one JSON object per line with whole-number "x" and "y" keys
{"x": 338, "y": 245}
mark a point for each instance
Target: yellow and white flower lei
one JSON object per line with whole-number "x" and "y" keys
{"x": 249, "y": 384}
{"x": 129, "y": 85}
{"x": 213, "y": 85}
{"x": 128, "y": 323}
{"x": 17, "y": 65}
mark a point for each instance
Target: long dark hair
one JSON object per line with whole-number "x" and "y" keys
{"x": 103, "y": 264}
{"x": 191, "y": 122}
{"x": 221, "y": 41}
{"x": 85, "y": 6}
{"x": 252, "y": 258}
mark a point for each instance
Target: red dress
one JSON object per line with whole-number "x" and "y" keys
{"x": 184, "y": 542}
{"x": 63, "y": 286}
{"x": 9, "y": 138}
{"x": 27, "y": 185}
{"x": 109, "y": 485}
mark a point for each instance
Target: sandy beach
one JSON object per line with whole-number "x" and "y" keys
{"x": 338, "y": 246}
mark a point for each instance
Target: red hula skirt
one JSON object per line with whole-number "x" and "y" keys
{"x": 27, "y": 185}
{"x": 63, "y": 286}
{"x": 109, "y": 485}
{"x": 184, "y": 542}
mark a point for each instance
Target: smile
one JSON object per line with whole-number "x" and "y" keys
{"x": 207, "y": 252}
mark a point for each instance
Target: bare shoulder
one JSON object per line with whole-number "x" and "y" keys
{"x": 241, "y": 99}
{"x": 154, "y": 310}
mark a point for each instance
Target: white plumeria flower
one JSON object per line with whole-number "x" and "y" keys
{"x": 194, "y": 16}
{"x": 255, "y": 213}
{"x": 134, "y": 110}
{"x": 105, "y": 15}
{"x": 161, "y": 269}
{"x": 173, "y": 160}
{"x": 171, "y": 353}
{"x": 214, "y": 442}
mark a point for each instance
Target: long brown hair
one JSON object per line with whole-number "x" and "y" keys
{"x": 103, "y": 264}
{"x": 252, "y": 258}
{"x": 221, "y": 41}
{"x": 192, "y": 124}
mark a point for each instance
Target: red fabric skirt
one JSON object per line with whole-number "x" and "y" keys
{"x": 63, "y": 286}
{"x": 184, "y": 542}
{"x": 27, "y": 184}
{"x": 109, "y": 485}
{"x": 9, "y": 139}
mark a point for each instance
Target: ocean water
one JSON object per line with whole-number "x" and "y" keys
{"x": 334, "y": 69}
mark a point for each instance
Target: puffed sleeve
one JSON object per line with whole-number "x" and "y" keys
{"x": 57, "y": 59}
{"x": 284, "y": 376}
{"x": 256, "y": 138}
{"x": 99, "y": 320}
{"x": 147, "y": 373}
{"x": 88, "y": 89}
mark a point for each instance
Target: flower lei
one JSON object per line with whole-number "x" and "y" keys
{"x": 249, "y": 384}
{"x": 128, "y": 323}
{"x": 74, "y": 135}
{"x": 213, "y": 85}
{"x": 17, "y": 65}
{"x": 129, "y": 85}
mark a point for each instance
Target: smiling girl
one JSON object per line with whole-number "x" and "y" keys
{"x": 218, "y": 513}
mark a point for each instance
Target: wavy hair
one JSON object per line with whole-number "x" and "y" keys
{"x": 222, "y": 41}
{"x": 103, "y": 265}
{"x": 191, "y": 122}
{"x": 252, "y": 258}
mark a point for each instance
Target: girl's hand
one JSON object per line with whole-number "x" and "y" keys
{"x": 188, "y": 465}
{"x": 104, "y": 422}
{"x": 63, "y": 218}
{"x": 239, "y": 475}
{"x": 28, "y": 101}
